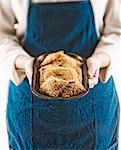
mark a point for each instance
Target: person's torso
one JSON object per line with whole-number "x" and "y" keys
{"x": 20, "y": 10}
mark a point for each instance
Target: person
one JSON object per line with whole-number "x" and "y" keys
{"x": 89, "y": 28}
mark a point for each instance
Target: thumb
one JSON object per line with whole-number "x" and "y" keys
{"x": 29, "y": 69}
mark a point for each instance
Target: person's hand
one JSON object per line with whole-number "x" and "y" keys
{"x": 25, "y": 63}
{"x": 29, "y": 70}
{"x": 93, "y": 71}
{"x": 94, "y": 63}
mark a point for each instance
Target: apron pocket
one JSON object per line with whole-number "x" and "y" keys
{"x": 67, "y": 119}
{"x": 21, "y": 91}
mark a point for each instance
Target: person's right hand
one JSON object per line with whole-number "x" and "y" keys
{"x": 25, "y": 63}
{"x": 29, "y": 70}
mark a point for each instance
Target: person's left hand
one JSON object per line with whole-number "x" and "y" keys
{"x": 93, "y": 71}
{"x": 94, "y": 63}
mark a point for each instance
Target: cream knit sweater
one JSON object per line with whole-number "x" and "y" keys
{"x": 108, "y": 27}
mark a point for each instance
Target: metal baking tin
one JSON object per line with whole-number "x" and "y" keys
{"x": 36, "y": 77}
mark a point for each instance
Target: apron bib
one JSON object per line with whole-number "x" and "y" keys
{"x": 88, "y": 123}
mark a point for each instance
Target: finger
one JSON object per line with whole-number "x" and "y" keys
{"x": 91, "y": 68}
{"x": 91, "y": 73}
{"x": 29, "y": 70}
{"x": 30, "y": 81}
{"x": 93, "y": 82}
{"x": 96, "y": 73}
{"x": 29, "y": 76}
{"x": 91, "y": 85}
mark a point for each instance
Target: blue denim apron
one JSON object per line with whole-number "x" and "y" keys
{"x": 88, "y": 123}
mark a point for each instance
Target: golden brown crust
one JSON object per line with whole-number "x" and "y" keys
{"x": 51, "y": 57}
{"x": 61, "y": 75}
{"x": 57, "y": 87}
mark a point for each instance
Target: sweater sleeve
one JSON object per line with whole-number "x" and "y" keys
{"x": 10, "y": 47}
{"x": 110, "y": 38}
